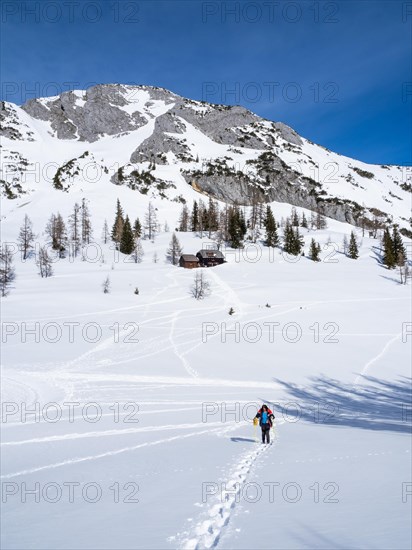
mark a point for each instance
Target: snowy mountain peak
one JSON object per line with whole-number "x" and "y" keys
{"x": 158, "y": 143}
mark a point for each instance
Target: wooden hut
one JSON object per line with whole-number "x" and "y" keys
{"x": 210, "y": 257}
{"x": 189, "y": 261}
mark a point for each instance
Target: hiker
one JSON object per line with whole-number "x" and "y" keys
{"x": 265, "y": 417}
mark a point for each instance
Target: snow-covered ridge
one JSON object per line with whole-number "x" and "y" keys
{"x": 227, "y": 152}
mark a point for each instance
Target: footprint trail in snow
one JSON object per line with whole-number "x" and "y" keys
{"x": 208, "y": 531}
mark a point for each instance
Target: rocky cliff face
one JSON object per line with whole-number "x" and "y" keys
{"x": 87, "y": 116}
{"x": 153, "y": 135}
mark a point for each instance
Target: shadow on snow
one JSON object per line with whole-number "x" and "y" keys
{"x": 374, "y": 405}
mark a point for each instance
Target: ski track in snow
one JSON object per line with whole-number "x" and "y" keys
{"x": 107, "y": 433}
{"x": 189, "y": 369}
{"x": 77, "y": 460}
{"x": 376, "y": 358}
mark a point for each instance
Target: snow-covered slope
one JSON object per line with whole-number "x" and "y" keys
{"x": 227, "y": 152}
{"x": 174, "y": 384}
{"x": 141, "y": 435}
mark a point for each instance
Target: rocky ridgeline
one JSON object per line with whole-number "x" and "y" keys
{"x": 115, "y": 110}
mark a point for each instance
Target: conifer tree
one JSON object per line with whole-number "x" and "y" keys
{"x": 298, "y": 242}
{"x": 314, "y": 251}
{"x": 118, "y": 224}
{"x": 137, "y": 229}
{"x": 353, "y": 251}
{"x": 398, "y": 246}
{"x": 127, "y": 243}
{"x": 304, "y": 222}
{"x": 389, "y": 258}
{"x": 195, "y": 217}
{"x": 272, "y": 238}
{"x": 292, "y": 240}
{"x": 294, "y": 218}
{"x": 288, "y": 237}
{"x": 236, "y": 227}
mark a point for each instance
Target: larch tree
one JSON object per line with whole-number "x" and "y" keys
{"x": 150, "y": 222}
{"x": 7, "y": 271}
{"x": 75, "y": 229}
{"x": 138, "y": 251}
{"x": 86, "y": 222}
{"x": 201, "y": 286}
{"x": 105, "y": 232}
{"x": 174, "y": 251}
{"x": 184, "y": 219}
{"x": 44, "y": 262}
{"x": 26, "y": 237}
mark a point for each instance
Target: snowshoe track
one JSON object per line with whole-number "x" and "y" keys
{"x": 207, "y": 532}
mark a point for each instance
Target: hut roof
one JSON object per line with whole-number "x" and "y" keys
{"x": 189, "y": 258}
{"x": 209, "y": 253}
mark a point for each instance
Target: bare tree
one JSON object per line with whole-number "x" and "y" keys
{"x": 26, "y": 237}
{"x": 74, "y": 225}
{"x": 106, "y": 285}
{"x": 151, "y": 222}
{"x": 138, "y": 251}
{"x": 201, "y": 286}
{"x": 403, "y": 265}
{"x": 56, "y": 230}
{"x": 86, "y": 224}
{"x": 345, "y": 245}
{"x": 202, "y": 216}
{"x": 321, "y": 222}
{"x": 7, "y": 272}
{"x": 184, "y": 219}
{"x": 44, "y": 262}
{"x": 174, "y": 251}
{"x": 105, "y": 232}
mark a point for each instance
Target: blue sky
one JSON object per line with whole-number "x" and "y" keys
{"x": 338, "y": 72}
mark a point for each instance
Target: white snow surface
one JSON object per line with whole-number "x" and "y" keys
{"x": 169, "y": 447}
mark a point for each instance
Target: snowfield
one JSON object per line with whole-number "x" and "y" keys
{"x": 168, "y": 448}
{"x": 127, "y": 418}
